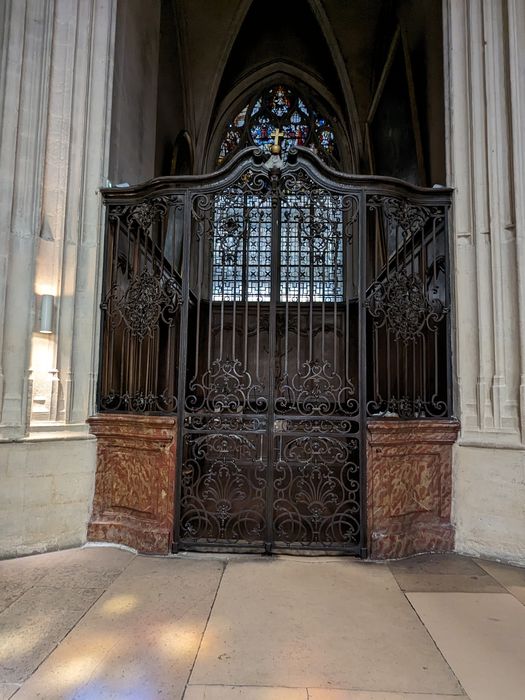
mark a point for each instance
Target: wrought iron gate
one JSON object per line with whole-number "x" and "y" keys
{"x": 270, "y": 420}
{"x": 249, "y": 303}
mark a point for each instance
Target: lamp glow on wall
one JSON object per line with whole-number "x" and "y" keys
{"x": 46, "y": 313}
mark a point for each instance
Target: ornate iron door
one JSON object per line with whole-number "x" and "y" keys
{"x": 270, "y": 441}
{"x": 274, "y": 307}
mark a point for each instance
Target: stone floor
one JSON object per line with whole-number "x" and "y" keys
{"x": 101, "y": 622}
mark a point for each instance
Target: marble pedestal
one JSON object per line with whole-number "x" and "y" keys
{"x": 135, "y": 483}
{"x": 409, "y": 486}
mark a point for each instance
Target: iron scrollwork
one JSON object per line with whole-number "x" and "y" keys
{"x": 226, "y": 387}
{"x": 316, "y": 390}
{"x": 317, "y": 491}
{"x": 141, "y": 308}
{"x": 279, "y": 298}
{"x": 401, "y": 304}
{"x": 223, "y": 489}
{"x": 407, "y": 309}
{"x": 147, "y": 300}
{"x": 145, "y": 213}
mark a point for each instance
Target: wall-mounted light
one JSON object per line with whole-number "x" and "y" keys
{"x": 46, "y": 313}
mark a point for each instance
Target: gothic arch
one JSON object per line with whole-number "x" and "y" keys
{"x": 223, "y": 97}
{"x": 282, "y": 72}
{"x": 196, "y": 125}
{"x": 351, "y": 106}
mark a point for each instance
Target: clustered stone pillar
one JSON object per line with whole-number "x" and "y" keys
{"x": 485, "y": 77}
{"x": 56, "y": 74}
{"x": 56, "y": 82}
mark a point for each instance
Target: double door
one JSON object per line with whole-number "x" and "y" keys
{"x": 270, "y": 442}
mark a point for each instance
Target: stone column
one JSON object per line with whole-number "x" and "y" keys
{"x": 84, "y": 230}
{"x": 485, "y": 66}
{"x": 26, "y": 55}
{"x": 56, "y": 74}
{"x": 56, "y": 79}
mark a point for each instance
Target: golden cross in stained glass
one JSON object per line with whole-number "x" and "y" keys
{"x": 275, "y": 148}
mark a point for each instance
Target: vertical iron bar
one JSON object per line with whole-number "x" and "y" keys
{"x": 362, "y": 375}
{"x": 272, "y": 325}
{"x": 286, "y": 300}
{"x": 311, "y": 280}
{"x": 104, "y": 330}
{"x": 448, "y": 306}
{"x": 183, "y": 346}
{"x": 298, "y": 244}
{"x": 198, "y": 301}
{"x": 113, "y": 272}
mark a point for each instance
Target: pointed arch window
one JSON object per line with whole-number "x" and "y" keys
{"x": 280, "y": 107}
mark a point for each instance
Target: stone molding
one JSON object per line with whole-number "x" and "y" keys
{"x": 409, "y": 487}
{"x": 134, "y": 498}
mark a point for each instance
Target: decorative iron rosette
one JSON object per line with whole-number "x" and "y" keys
{"x": 401, "y": 304}
{"x": 147, "y": 300}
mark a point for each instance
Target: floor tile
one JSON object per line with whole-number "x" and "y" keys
{"x": 292, "y": 622}
{"x": 90, "y": 567}
{"x": 19, "y": 575}
{"x": 443, "y": 574}
{"x": 482, "y": 636}
{"x": 138, "y": 641}
{"x": 34, "y": 624}
{"x": 512, "y": 577}
{"x": 231, "y": 692}
{"x": 438, "y": 564}
{"x": 436, "y": 583}
{"x": 11, "y": 591}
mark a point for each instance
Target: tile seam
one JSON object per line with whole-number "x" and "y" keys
{"x": 219, "y": 583}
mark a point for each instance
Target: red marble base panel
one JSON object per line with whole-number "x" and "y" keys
{"x": 135, "y": 481}
{"x": 409, "y": 487}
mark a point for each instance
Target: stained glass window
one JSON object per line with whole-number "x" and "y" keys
{"x": 280, "y": 107}
{"x": 241, "y": 248}
{"x": 311, "y": 249}
{"x": 310, "y": 241}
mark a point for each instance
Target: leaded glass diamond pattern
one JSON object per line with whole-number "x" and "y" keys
{"x": 310, "y": 242}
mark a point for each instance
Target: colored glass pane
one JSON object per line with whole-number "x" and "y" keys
{"x": 280, "y": 100}
{"x": 262, "y": 131}
{"x": 326, "y": 140}
{"x": 256, "y": 107}
{"x": 229, "y": 144}
{"x": 240, "y": 118}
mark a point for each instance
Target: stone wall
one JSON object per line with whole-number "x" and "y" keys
{"x": 45, "y": 495}
{"x": 489, "y": 502}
